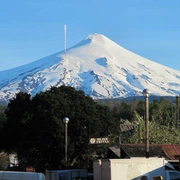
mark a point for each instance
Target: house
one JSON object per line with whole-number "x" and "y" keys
{"x": 171, "y": 152}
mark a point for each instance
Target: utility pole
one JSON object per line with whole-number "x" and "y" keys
{"x": 146, "y": 94}
{"x": 177, "y": 111}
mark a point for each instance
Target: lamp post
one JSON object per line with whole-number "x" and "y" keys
{"x": 146, "y": 94}
{"x": 65, "y": 121}
{"x": 177, "y": 111}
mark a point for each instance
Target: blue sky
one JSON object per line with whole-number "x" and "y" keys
{"x": 33, "y": 29}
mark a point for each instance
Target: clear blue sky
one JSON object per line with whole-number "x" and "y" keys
{"x": 33, "y": 29}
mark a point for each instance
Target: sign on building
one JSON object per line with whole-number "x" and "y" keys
{"x": 104, "y": 140}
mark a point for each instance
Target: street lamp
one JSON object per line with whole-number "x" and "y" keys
{"x": 146, "y": 94}
{"x": 65, "y": 121}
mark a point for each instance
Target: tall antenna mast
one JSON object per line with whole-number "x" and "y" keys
{"x": 65, "y": 42}
{"x": 64, "y": 52}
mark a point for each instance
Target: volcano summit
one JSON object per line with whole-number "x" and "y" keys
{"x": 96, "y": 65}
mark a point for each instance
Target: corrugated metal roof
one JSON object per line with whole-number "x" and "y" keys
{"x": 139, "y": 150}
{"x": 171, "y": 151}
{"x": 168, "y": 151}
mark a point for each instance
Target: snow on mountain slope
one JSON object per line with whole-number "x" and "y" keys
{"x": 96, "y": 65}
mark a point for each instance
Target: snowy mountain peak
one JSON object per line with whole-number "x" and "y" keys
{"x": 96, "y": 65}
{"x": 98, "y": 38}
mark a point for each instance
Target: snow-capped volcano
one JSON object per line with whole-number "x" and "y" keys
{"x": 96, "y": 65}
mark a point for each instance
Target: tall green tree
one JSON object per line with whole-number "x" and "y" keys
{"x": 35, "y": 130}
{"x": 2, "y": 114}
{"x": 17, "y": 114}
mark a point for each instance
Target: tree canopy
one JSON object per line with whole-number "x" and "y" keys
{"x": 33, "y": 126}
{"x": 35, "y": 131}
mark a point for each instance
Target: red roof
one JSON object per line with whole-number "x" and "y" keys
{"x": 171, "y": 151}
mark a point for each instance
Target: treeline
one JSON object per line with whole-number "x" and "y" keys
{"x": 33, "y": 127}
{"x": 164, "y": 121}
